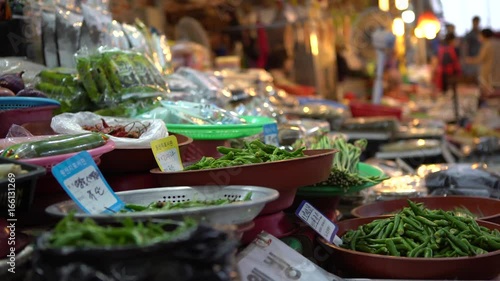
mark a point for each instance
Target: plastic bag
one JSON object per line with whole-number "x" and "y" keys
{"x": 207, "y": 254}
{"x": 50, "y": 56}
{"x": 68, "y": 29}
{"x": 464, "y": 179}
{"x": 71, "y": 123}
{"x": 209, "y": 89}
{"x": 118, "y": 39}
{"x": 192, "y": 113}
{"x": 111, "y": 76}
{"x": 18, "y": 64}
{"x": 62, "y": 85}
{"x": 95, "y": 29}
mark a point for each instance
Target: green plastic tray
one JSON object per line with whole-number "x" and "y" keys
{"x": 364, "y": 170}
{"x": 253, "y": 126}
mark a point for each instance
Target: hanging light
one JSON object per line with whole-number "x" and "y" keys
{"x": 402, "y": 4}
{"x": 383, "y": 5}
{"x": 398, "y": 27}
{"x": 408, "y": 16}
{"x": 428, "y": 25}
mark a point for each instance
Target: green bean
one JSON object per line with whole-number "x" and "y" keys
{"x": 415, "y": 208}
{"x": 455, "y": 221}
{"x": 428, "y": 252}
{"x": 397, "y": 222}
{"x": 415, "y": 224}
{"x": 426, "y": 221}
{"x": 392, "y": 248}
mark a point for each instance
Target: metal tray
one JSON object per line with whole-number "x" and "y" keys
{"x": 234, "y": 213}
{"x": 286, "y": 176}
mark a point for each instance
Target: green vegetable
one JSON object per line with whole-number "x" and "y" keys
{"x": 70, "y": 232}
{"x": 55, "y": 146}
{"x": 254, "y": 152}
{"x": 167, "y": 206}
{"x": 345, "y": 173}
{"x": 419, "y": 232}
{"x": 84, "y": 68}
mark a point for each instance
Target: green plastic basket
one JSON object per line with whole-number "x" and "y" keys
{"x": 254, "y": 125}
{"x": 364, "y": 170}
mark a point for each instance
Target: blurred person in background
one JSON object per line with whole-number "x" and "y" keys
{"x": 486, "y": 61}
{"x": 447, "y": 65}
{"x": 472, "y": 45}
{"x": 280, "y": 65}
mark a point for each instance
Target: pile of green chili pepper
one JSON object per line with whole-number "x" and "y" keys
{"x": 70, "y": 232}
{"x": 345, "y": 172}
{"x": 254, "y": 152}
{"x": 420, "y": 232}
{"x": 167, "y": 206}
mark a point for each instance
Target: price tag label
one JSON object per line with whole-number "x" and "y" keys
{"x": 85, "y": 184}
{"x": 271, "y": 134}
{"x": 319, "y": 222}
{"x": 167, "y": 155}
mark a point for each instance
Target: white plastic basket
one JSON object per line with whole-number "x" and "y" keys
{"x": 234, "y": 213}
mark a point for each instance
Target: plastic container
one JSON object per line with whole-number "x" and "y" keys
{"x": 374, "y": 110}
{"x": 24, "y": 186}
{"x": 253, "y": 126}
{"x": 9, "y": 103}
{"x": 24, "y": 115}
{"x": 136, "y": 160}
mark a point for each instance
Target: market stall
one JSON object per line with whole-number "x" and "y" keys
{"x": 125, "y": 156}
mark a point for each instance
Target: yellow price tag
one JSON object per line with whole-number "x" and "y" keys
{"x": 167, "y": 155}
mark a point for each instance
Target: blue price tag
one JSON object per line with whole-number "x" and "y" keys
{"x": 85, "y": 184}
{"x": 271, "y": 134}
{"x": 319, "y": 222}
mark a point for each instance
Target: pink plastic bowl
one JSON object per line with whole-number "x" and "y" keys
{"x": 50, "y": 161}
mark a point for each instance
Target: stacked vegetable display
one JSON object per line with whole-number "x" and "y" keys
{"x": 110, "y": 77}
{"x": 254, "y": 152}
{"x": 420, "y": 232}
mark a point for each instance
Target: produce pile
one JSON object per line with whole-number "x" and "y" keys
{"x": 254, "y": 152}
{"x": 110, "y": 77}
{"x": 345, "y": 173}
{"x": 132, "y": 130}
{"x": 55, "y": 146}
{"x": 420, "y": 232}
{"x": 12, "y": 84}
{"x": 70, "y": 232}
{"x": 168, "y": 206}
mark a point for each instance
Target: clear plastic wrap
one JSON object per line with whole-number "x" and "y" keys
{"x": 182, "y": 112}
{"x": 18, "y": 64}
{"x": 396, "y": 188}
{"x": 69, "y": 123}
{"x": 135, "y": 38}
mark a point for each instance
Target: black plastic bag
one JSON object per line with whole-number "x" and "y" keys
{"x": 207, "y": 254}
{"x": 464, "y": 180}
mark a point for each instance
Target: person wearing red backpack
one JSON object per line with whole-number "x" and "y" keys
{"x": 448, "y": 64}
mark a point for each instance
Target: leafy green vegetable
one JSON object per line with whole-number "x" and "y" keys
{"x": 254, "y": 152}
{"x": 166, "y": 206}
{"x": 70, "y": 232}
